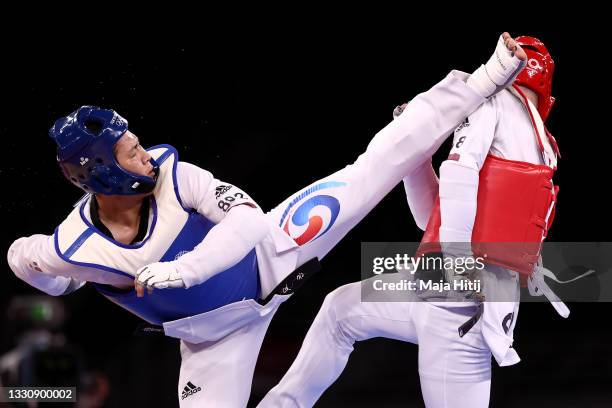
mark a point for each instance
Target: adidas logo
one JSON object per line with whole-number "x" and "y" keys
{"x": 117, "y": 120}
{"x": 466, "y": 123}
{"x": 220, "y": 190}
{"x": 189, "y": 390}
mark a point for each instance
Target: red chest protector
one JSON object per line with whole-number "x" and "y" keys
{"x": 516, "y": 203}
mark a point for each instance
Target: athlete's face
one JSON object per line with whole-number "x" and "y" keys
{"x": 132, "y": 157}
{"x": 532, "y": 96}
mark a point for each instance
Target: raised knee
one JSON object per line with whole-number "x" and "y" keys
{"x": 336, "y": 311}
{"x": 339, "y": 301}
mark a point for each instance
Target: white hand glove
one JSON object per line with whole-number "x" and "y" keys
{"x": 464, "y": 280}
{"x": 159, "y": 275}
{"x": 461, "y": 269}
{"x": 499, "y": 72}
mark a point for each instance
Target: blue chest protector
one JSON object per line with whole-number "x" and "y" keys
{"x": 232, "y": 285}
{"x": 237, "y": 283}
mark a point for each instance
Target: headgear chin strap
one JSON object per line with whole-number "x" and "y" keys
{"x": 85, "y": 151}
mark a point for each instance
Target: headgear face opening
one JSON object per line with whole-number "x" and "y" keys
{"x": 538, "y": 73}
{"x": 85, "y": 151}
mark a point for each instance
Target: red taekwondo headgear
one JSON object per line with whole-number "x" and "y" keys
{"x": 538, "y": 73}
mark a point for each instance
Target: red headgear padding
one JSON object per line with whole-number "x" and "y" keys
{"x": 538, "y": 73}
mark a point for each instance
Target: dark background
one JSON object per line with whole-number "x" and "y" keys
{"x": 272, "y": 113}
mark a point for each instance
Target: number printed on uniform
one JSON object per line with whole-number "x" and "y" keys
{"x": 226, "y": 203}
{"x": 460, "y": 141}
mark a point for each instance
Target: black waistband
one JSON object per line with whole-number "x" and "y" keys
{"x": 295, "y": 279}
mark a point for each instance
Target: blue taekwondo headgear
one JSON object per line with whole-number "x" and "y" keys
{"x": 85, "y": 142}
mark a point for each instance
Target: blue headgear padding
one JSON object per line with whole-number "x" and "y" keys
{"x": 85, "y": 142}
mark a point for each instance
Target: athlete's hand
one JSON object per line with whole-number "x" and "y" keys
{"x": 513, "y": 47}
{"x": 158, "y": 275}
{"x": 462, "y": 270}
{"x": 503, "y": 67}
{"x": 466, "y": 281}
